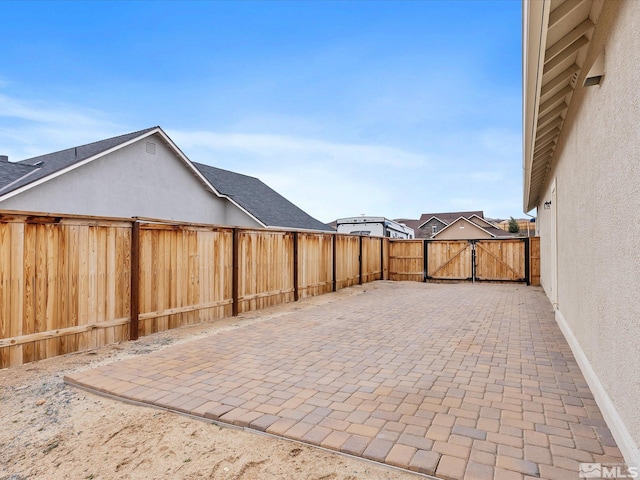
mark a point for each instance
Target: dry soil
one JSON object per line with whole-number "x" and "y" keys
{"x": 49, "y": 430}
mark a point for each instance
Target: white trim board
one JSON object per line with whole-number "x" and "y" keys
{"x": 626, "y": 443}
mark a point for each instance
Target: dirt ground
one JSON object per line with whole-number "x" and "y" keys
{"x": 53, "y": 431}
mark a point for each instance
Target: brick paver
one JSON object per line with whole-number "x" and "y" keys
{"x": 457, "y": 381}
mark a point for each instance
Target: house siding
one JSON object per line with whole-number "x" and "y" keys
{"x": 462, "y": 230}
{"x": 426, "y": 231}
{"x": 596, "y": 171}
{"x": 131, "y": 182}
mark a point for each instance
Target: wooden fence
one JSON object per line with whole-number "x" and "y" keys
{"x": 71, "y": 283}
{"x": 496, "y": 260}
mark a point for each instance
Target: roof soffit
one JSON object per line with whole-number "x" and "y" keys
{"x": 557, "y": 34}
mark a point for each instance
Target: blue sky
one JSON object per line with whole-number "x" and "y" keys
{"x": 384, "y": 108}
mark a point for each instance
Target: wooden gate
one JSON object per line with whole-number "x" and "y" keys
{"x": 406, "y": 260}
{"x": 449, "y": 260}
{"x": 501, "y": 260}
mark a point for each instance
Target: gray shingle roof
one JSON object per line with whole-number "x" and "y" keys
{"x": 259, "y": 199}
{"x": 11, "y": 172}
{"x": 56, "y": 161}
{"x": 448, "y": 217}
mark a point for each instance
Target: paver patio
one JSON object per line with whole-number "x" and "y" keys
{"x": 457, "y": 381}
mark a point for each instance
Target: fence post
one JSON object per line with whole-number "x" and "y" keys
{"x": 235, "y": 274}
{"x": 334, "y": 268}
{"x": 381, "y": 258}
{"x": 425, "y": 259}
{"x": 472, "y": 244}
{"x": 134, "y": 305}
{"x": 527, "y": 259}
{"x": 296, "y": 293}
{"x": 360, "y": 259}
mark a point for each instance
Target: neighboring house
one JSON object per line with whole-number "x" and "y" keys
{"x": 473, "y": 228}
{"x": 264, "y": 203}
{"x": 527, "y": 226}
{"x": 143, "y": 174}
{"x": 582, "y": 174}
{"x": 374, "y": 226}
{"x": 458, "y": 226}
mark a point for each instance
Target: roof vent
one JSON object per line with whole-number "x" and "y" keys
{"x": 38, "y": 164}
{"x": 596, "y": 74}
{"x": 4, "y": 158}
{"x": 151, "y": 148}
{"x": 574, "y": 79}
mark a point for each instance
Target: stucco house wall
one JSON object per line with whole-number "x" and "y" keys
{"x": 132, "y": 182}
{"x": 590, "y": 251}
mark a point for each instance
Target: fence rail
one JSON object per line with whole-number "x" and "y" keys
{"x": 71, "y": 283}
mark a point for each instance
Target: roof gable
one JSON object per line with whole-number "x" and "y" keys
{"x": 467, "y": 222}
{"x": 480, "y": 221}
{"x": 448, "y": 217}
{"x": 249, "y": 194}
{"x": 442, "y": 222}
{"x": 53, "y": 164}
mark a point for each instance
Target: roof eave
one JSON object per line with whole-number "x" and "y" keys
{"x": 467, "y": 221}
{"x": 534, "y": 28}
{"x": 77, "y": 164}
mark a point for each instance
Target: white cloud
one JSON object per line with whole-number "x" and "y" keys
{"x": 33, "y": 128}
{"x": 279, "y": 146}
{"x": 52, "y": 114}
{"x": 328, "y": 180}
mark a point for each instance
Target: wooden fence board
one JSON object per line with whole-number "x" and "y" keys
{"x": 347, "y": 262}
{"x": 50, "y": 278}
{"x": 500, "y": 260}
{"x": 182, "y": 277}
{"x": 315, "y": 275}
{"x": 372, "y": 264}
{"x": 406, "y": 260}
{"x": 534, "y": 262}
{"x": 449, "y": 260}
{"x": 5, "y": 289}
{"x": 266, "y": 269}
{"x": 40, "y": 273}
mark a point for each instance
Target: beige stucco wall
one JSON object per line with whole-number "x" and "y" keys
{"x": 131, "y": 182}
{"x": 597, "y": 174}
{"x": 455, "y": 232}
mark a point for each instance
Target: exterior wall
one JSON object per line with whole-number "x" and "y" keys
{"x": 237, "y": 217}
{"x": 597, "y": 174}
{"x": 427, "y": 229}
{"x": 131, "y": 182}
{"x": 462, "y": 230}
